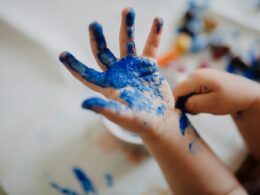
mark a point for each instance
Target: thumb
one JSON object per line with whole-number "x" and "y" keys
{"x": 202, "y": 103}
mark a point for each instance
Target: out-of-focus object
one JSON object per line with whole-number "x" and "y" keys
{"x": 182, "y": 44}
{"x": 121, "y": 133}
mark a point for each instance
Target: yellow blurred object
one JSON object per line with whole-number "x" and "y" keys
{"x": 209, "y": 24}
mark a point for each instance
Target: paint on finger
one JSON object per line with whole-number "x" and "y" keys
{"x": 96, "y": 102}
{"x": 130, "y": 19}
{"x": 104, "y": 54}
{"x": 86, "y": 73}
{"x": 131, "y": 48}
{"x": 159, "y": 24}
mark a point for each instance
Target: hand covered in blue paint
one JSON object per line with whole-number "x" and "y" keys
{"x": 140, "y": 99}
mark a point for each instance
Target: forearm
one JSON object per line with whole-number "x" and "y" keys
{"x": 188, "y": 164}
{"x": 248, "y": 124}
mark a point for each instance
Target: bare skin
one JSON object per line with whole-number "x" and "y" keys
{"x": 223, "y": 93}
{"x": 188, "y": 164}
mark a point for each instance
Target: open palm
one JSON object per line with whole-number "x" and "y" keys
{"x": 139, "y": 96}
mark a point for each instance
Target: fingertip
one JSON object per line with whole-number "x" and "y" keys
{"x": 159, "y": 22}
{"x": 128, "y": 10}
{"x": 64, "y": 55}
{"x": 95, "y": 27}
{"x": 91, "y": 103}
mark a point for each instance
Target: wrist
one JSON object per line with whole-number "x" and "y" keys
{"x": 169, "y": 125}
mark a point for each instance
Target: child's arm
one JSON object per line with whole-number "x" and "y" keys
{"x": 141, "y": 100}
{"x": 224, "y": 93}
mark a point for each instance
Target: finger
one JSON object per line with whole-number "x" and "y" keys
{"x": 89, "y": 76}
{"x": 191, "y": 86}
{"x": 205, "y": 103}
{"x": 111, "y": 109}
{"x": 153, "y": 40}
{"x": 126, "y": 38}
{"x": 103, "y": 56}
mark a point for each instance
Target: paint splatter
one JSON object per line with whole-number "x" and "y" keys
{"x": 63, "y": 190}
{"x": 109, "y": 180}
{"x": 184, "y": 122}
{"x": 84, "y": 181}
{"x": 86, "y": 184}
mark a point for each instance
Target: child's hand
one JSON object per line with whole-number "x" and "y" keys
{"x": 217, "y": 92}
{"x": 142, "y": 99}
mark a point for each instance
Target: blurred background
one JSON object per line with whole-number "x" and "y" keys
{"x": 45, "y": 135}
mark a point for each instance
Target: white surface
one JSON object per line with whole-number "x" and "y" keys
{"x": 43, "y": 130}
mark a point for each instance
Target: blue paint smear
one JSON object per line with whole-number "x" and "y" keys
{"x": 85, "y": 182}
{"x": 128, "y": 74}
{"x": 104, "y": 54}
{"x": 62, "y": 190}
{"x": 190, "y": 146}
{"x": 101, "y": 103}
{"x": 160, "y": 110}
{"x": 88, "y": 74}
{"x": 183, "y": 122}
{"x": 130, "y": 19}
{"x": 109, "y": 180}
{"x": 131, "y": 48}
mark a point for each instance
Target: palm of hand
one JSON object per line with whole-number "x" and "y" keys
{"x": 140, "y": 93}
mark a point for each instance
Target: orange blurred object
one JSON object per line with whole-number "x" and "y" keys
{"x": 182, "y": 44}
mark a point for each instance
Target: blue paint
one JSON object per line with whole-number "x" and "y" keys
{"x": 131, "y": 48}
{"x": 159, "y": 24}
{"x": 130, "y": 71}
{"x": 85, "y": 182}
{"x": 62, "y": 190}
{"x": 109, "y": 180}
{"x": 104, "y": 54}
{"x": 138, "y": 79}
{"x": 101, "y": 103}
{"x": 88, "y": 74}
{"x": 106, "y": 57}
{"x": 181, "y": 101}
{"x": 190, "y": 146}
{"x": 160, "y": 110}
{"x": 130, "y": 19}
{"x": 183, "y": 122}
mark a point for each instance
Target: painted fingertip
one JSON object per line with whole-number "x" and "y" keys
{"x": 181, "y": 102}
{"x": 130, "y": 19}
{"x": 97, "y": 31}
{"x": 158, "y": 24}
{"x": 93, "y": 102}
{"x": 95, "y": 27}
{"x": 72, "y": 63}
{"x": 63, "y": 56}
